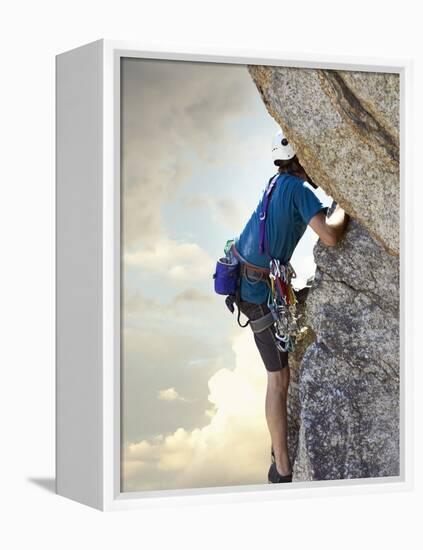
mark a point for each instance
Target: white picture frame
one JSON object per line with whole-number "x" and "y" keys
{"x": 88, "y": 443}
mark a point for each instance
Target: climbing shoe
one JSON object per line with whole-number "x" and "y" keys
{"x": 275, "y": 477}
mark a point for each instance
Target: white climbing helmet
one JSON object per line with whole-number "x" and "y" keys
{"x": 281, "y": 149}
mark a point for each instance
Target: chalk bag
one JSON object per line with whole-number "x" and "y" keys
{"x": 226, "y": 276}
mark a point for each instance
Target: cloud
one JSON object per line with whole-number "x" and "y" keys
{"x": 224, "y": 210}
{"x": 232, "y": 448}
{"x": 176, "y": 261}
{"x": 167, "y": 353}
{"x": 137, "y": 304}
{"x": 170, "y": 394}
{"x": 175, "y": 116}
{"x": 192, "y": 295}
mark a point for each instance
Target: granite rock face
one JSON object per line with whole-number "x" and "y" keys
{"x": 345, "y": 129}
{"x": 344, "y": 394}
{"x": 348, "y": 381}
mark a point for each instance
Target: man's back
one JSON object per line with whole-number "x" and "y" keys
{"x": 291, "y": 207}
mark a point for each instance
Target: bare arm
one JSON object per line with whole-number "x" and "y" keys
{"x": 330, "y": 230}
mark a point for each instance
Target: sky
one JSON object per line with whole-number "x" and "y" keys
{"x": 196, "y": 156}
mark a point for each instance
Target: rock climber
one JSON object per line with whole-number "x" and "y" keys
{"x": 292, "y": 207}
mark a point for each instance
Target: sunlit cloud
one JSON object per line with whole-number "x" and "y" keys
{"x": 232, "y": 448}
{"x": 170, "y": 394}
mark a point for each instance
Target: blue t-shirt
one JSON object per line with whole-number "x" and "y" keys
{"x": 291, "y": 207}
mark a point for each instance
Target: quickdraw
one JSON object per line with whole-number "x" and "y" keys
{"x": 282, "y": 303}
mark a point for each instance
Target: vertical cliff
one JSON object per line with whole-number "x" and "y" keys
{"x": 344, "y": 394}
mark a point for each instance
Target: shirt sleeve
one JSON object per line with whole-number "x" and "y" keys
{"x": 306, "y": 202}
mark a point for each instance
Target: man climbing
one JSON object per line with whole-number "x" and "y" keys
{"x": 290, "y": 206}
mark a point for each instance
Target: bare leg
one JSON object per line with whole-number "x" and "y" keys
{"x": 276, "y": 416}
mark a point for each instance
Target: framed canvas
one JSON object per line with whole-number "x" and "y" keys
{"x": 163, "y": 165}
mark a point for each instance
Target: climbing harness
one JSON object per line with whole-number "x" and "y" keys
{"x": 281, "y": 299}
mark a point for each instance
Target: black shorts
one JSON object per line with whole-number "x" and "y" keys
{"x": 273, "y": 358}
